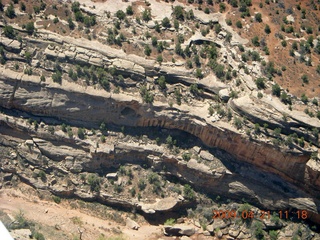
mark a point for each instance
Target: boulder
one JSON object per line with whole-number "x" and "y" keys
{"x": 244, "y": 235}
{"x": 50, "y": 54}
{"x": 21, "y": 234}
{"x": 29, "y": 143}
{"x": 224, "y": 95}
{"x": 217, "y": 224}
{"x": 290, "y": 18}
{"x": 151, "y": 24}
{"x": 7, "y": 177}
{"x": 272, "y": 225}
{"x": 179, "y": 230}
{"x": 206, "y": 155}
{"x": 180, "y": 220}
{"x": 219, "y": 234}
{"x": 234, "y": 233}
{"x": 11, "y": 45}
{"x": 112, "y": 175}
{"x": 128, "y": 68}
{"x": 132, "y": 224}
{"x": 185, "y": 238}
{"x": 164, "y": 204}
{"x": 193, "y": 164}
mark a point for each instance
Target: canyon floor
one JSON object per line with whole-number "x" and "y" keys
{"x": 57, "y": 219}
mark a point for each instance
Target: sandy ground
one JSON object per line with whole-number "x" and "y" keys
{"x": 48, "y": 213}
{"x": 159, "y": 10}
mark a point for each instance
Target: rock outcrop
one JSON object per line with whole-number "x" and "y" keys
{"x": 227, "y": 177}
{"x": 86, "y": 107}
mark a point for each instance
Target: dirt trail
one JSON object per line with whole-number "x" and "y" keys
{"x": 51, "y": 214}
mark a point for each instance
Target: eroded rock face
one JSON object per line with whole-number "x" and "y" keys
{"x": 75, "y": 104}
{"x": 230, "y": 179}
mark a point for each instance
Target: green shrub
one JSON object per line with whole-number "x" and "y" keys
{"x": 94, "y": 182}
{"x": 162, "y": 82}
{"x": 9, "y": 32}
{"x": 118, "y": 188}
{"x": 42, "y": 175}
{"x": 188, "y": 192}
{"x": 277, "y": 132}
{"x": 285, "y": 98}
{"x": 166, "y": 22}
{"x": 122, "y": 170}
{"x": 199, "y": 73}
{"x": 258, "y": 232}
{"x": 146, "y": 95}
{"x": 255, "y": 41}
{"x": 142, "y": 184}
{"x": 301, "y": 142}
{"x": 170, "y": 222}
{"x": 147, "y": 50}
{"x": 178, "y": 12}
{"x": 315, "y": 102}
{"x": 222, "y": 7}
{"x": 20, "y": 221}
{"x": 30, "y": 28}
{"x": 10, "y": 12}
{"x": 258, "y": 17}
{"x": 56, "y": 199}
{"x": 239, "y": 24}
{"x": 57, "y": 77}
{"x": 178, "y": 49}
{"x": 169, "y": 141}
{"x": 146, "y": 15}
{"x": 309, "y": 30}
{"x": 305, "y": 78}
{"x": 132, "y": 192}
{"x": 260, "y": 82}
{"x": 304, "y": 98}
{"x": 267, "y": 29}
{"x": 36, "y": 9}
{"x": 129, "y": 10}
{"x": 28, "y": 56}
{"x": 245, "y": 207}
{"x": 178, "y": 95}
{"x": 210, "y": 110}
{"x": 238, "y": 122}
{"x": 241, "y": 48}
{"x": 186, "y": 156}
{"x": 217, "y": 28}
{"x": 71, "y": 23}
{"x": 176, "y": 24}
{"x": 276, "y": 90}
{"x": 194, "y": 89}
{"x": 255, "y": 56}
{"x": 22, "y": 6}
{"x": 159, "y": 59}
{"x": 273, "y": 235}
{"x": 81, "y": 133}
{"x": 38, "y": 236}
{"x": 154, "y": 41}
{"x": 284, "y": 43}
{"x": 120, "y": 14}
{"x": 234, "y": 3}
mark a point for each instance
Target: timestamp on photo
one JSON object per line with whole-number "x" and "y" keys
{"x": 261, "y": 214}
